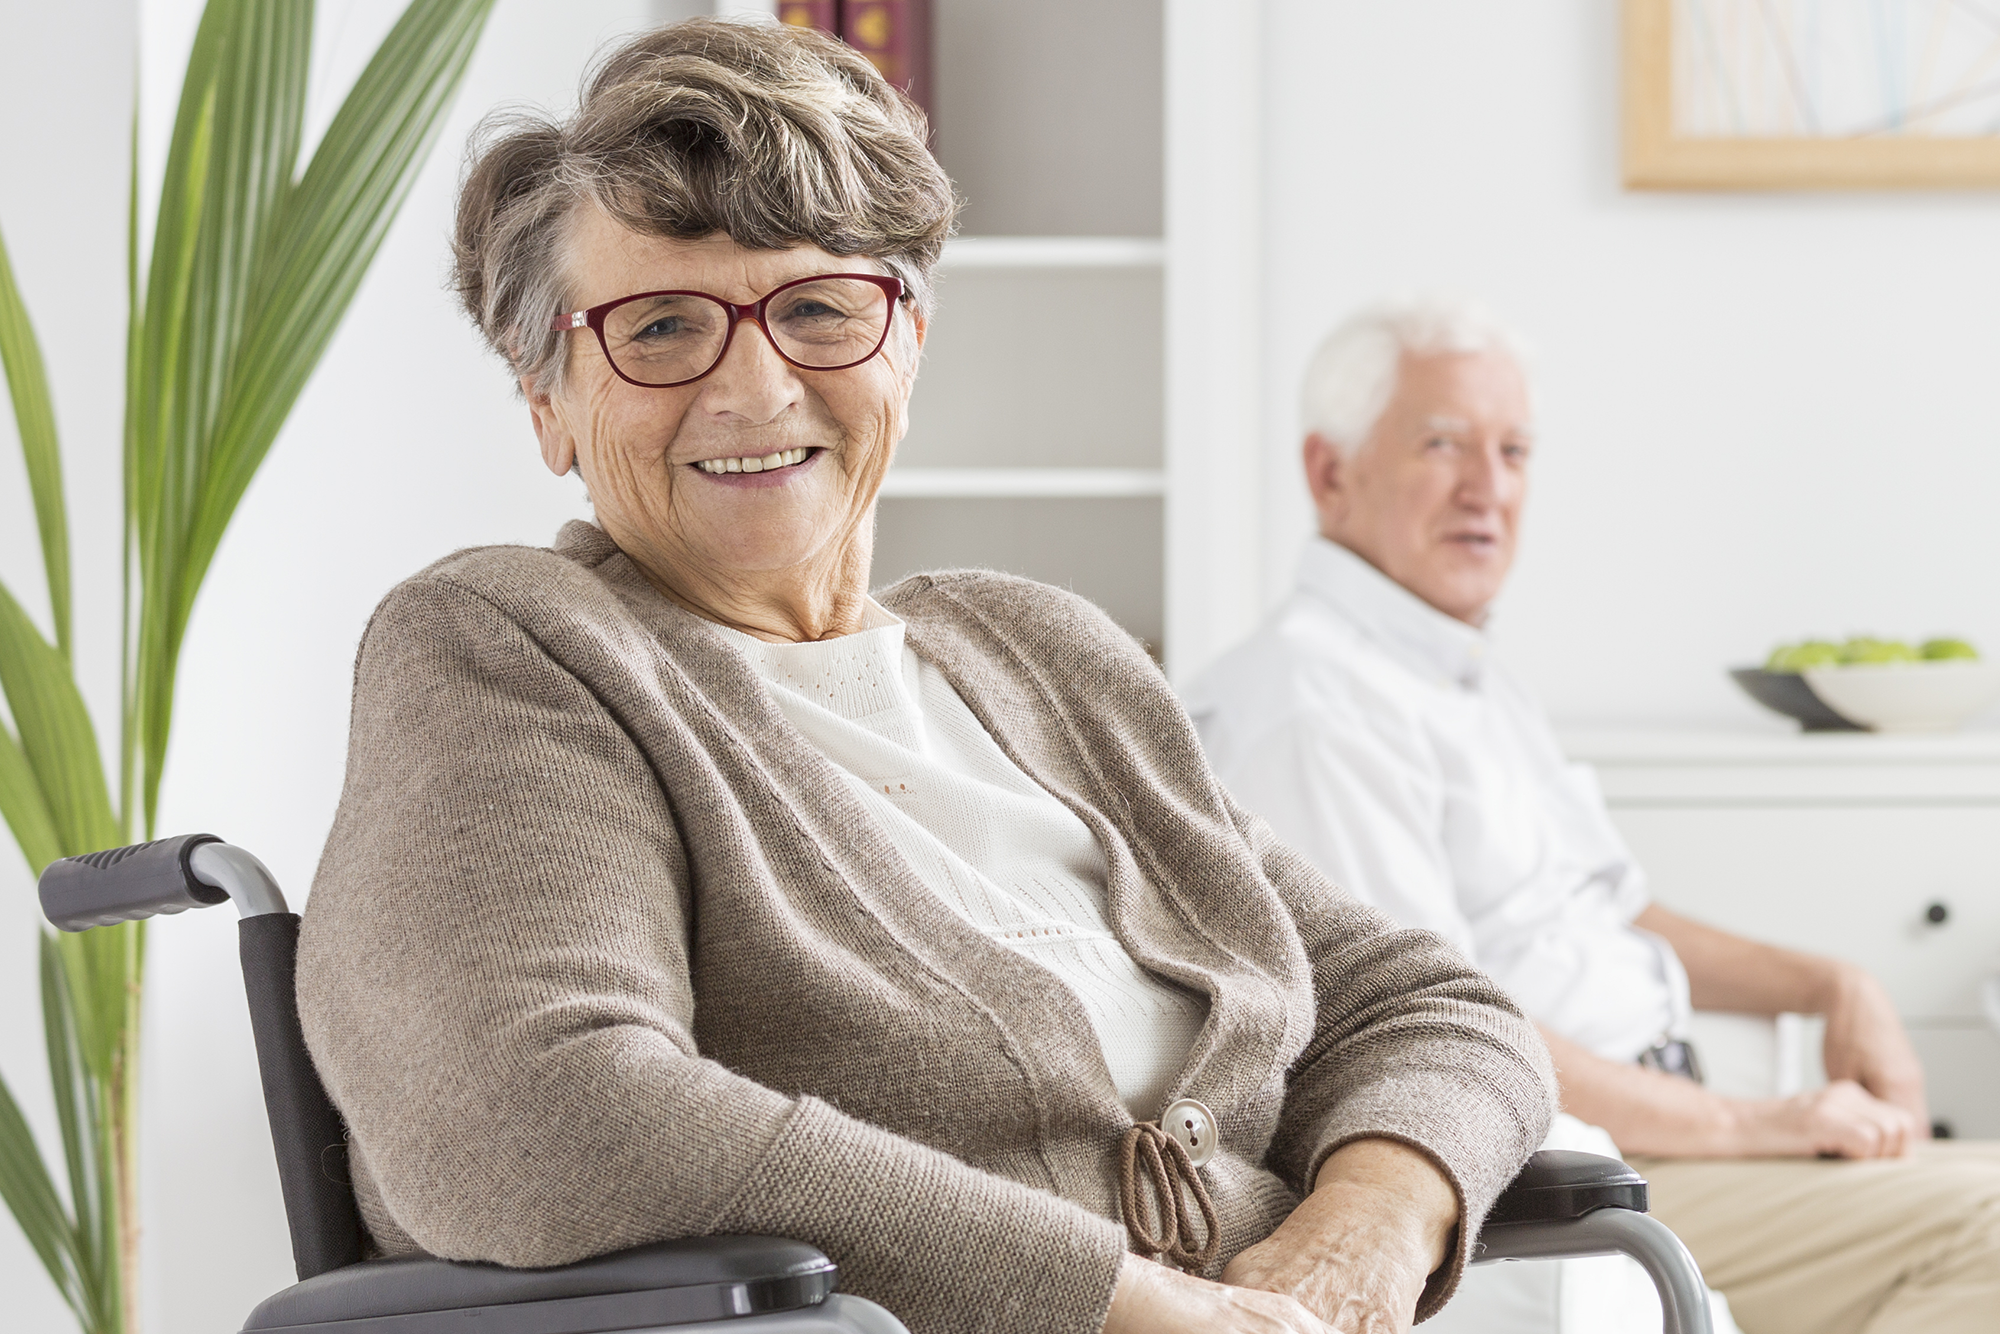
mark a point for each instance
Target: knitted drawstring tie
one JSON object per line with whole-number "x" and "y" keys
{"x": 1172, "y": 1176}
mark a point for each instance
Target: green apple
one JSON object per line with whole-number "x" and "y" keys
{"x": 1946, "y": 650}
{"x": 1796, "y": 658}
{"x": 1869, "y": 651}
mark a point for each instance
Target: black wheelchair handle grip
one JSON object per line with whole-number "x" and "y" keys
{"x": 126, "y": 884}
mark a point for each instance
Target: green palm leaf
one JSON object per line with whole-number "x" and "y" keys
{"x": 57, "y": 739}
{"x": 320, "y": 241}
{"x": 29, "y": 1193}
{"x": 85, "y": 1145}
{"x": 59, "y": 746}
{"x": 229, "y": 169}
{"x": 252, "y": 269}
{"x": 24, "y": 808}
{"x": 34, "y": 414}
{"x": 358, "y": 178}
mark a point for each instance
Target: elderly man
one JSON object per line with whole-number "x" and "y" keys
{"x": 1369, "y": 723}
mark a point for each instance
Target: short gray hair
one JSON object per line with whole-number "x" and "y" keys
{"x": 1354, "y": 372}
{"x": 773, "y": 135}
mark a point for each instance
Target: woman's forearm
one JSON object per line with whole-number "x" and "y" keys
{"x": 1380, "y": 1220}
{"x": 1378, "y": 1171}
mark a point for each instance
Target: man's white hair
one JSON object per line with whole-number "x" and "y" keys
{"x": 1354, "y": 372}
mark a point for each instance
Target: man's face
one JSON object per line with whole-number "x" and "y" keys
{"x": 1433, "y": 497}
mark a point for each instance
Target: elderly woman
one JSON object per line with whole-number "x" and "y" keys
{"x": 681, "y": 887}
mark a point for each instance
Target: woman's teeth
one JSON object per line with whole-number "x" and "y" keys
{"x": 782, "y": 459}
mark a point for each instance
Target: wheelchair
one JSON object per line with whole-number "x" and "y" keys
{"x": 1562, "y": 1204}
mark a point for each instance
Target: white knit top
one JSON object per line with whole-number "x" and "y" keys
{"x": 1002, "y": 851}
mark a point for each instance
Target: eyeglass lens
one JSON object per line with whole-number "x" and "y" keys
{"x": 828, "y": 323}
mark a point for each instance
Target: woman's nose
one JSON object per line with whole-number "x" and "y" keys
{"x": 751, "y": 381}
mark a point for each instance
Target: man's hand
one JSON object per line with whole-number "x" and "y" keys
{"x": 1842, "y": 1120}
{"x": 1865, "y": 1043}
{"x": 1651, "y": 1113}
{"x": 1359, "y": 1249}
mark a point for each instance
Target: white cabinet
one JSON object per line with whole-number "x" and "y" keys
{"x": 1882, "y": 850}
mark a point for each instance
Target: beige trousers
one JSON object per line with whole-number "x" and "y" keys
{"x": 1803, "y": 1246}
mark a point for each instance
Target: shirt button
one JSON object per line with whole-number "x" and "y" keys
{"x": 1194, "y": 1126}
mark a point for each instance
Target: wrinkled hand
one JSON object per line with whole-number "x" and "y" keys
{"x": 1865, "y": 1043}
{"x": 1359, "y": 1249}
{"x": 1153, "y": 1299}
{"x": 1364, "y": 1287}
{"x": 1842, "y": 1120}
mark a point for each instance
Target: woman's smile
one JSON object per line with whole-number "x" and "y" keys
{"x": 751, "y": 470}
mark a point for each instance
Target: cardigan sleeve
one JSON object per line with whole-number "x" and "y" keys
{"x": 1410, "y": 1043}
{"x": 496, "y": 985}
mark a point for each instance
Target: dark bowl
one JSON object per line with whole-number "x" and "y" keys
{"x": 1788, "y": 693}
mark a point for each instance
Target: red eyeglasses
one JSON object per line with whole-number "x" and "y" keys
{"x": 658, "y": 340}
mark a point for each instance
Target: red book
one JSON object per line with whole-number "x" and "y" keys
{"x": 821, "y": 14}
{"x": 896, "y": 36}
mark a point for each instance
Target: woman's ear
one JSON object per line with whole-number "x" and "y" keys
{"x": 558, "y": 445}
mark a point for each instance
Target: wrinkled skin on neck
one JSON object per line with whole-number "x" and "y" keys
{"x": 782, "y": 554}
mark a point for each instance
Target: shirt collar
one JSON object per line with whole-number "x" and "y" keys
{"x": 855, "y": 676}
{"x": 1438, "y": 647}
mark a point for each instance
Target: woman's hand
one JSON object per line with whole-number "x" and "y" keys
{"x": 1358, "y": 1251}
{"x": 1153, "y": 1299}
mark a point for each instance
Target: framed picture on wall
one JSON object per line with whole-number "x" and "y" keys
{"x": 1812, "y": 94}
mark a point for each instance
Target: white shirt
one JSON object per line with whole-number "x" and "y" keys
{"x": 997, "y": 847}
{"x": 1379, "y": 738}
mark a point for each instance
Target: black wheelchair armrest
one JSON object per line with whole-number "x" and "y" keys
{"x": 1559, "y": 1183}
{"x": 1566, "y": 1204}
{"x": 666, "y": 1283}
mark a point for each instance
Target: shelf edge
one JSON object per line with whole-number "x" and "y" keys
{"x": 1023, "y": 483}
{"x": 1054, "y": 252}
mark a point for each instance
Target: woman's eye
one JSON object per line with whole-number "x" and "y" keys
{"x": 812, "y": 310}
{"x": 662, "y": 327}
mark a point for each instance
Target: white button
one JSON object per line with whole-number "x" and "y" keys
{"x": 1194, "y": 1126}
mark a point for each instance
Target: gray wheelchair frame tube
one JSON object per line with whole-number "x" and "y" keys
{"x": 1683, "y": 1296}
{"x": 247, "y": 881}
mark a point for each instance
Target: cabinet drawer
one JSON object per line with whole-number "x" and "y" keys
{"x": 1850, "y": 882}
{"x": 1962, "y": 1076}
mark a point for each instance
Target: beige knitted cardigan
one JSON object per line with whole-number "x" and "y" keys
{"x": 602, "y": 951}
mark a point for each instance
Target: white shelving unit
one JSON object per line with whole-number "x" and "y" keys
{"x": 1024, "y": 483}
{"x": 1037, "y": 431}
{"x": 987, "y": 254}
{"x": 1054, "y": 252}
{"x": 1086, "y": 411}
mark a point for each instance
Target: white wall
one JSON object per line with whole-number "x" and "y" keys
{"x": 407, "y": 445}
{"x": 1763, "y": 416}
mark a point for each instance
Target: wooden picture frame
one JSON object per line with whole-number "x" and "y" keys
{"x": 1658, "y": 157}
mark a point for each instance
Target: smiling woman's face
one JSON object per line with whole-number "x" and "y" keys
{"x": 781, "y": 551}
